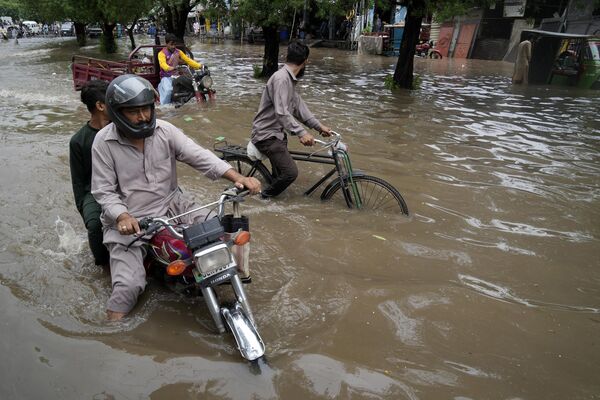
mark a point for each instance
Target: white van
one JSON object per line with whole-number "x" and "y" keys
{"x": 67, "y": 29}
{"x": 32, "y": 27}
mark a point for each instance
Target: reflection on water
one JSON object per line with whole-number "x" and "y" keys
{"x": 493, "y": 278}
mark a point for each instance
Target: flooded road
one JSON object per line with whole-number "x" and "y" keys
{"x": 490, "y": 289}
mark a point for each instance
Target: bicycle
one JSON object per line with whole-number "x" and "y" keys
{"x": 358, "y": 190}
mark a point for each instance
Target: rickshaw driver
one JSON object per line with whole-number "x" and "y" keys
{"x": 168, "y": 59}
{"x": 134, "y": 175}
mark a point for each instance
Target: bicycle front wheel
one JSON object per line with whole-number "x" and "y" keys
{"x": 375, "y": 195}
{"x": 247, "y": 167}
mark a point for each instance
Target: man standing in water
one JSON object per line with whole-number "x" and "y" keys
{"x": 80, "y": 161}
{"x": 280, "y": 106}
{"x": 521, "y": 71}
{"x": 135, "y": 176}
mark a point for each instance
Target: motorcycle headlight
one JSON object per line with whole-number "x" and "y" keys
{"x": 206, "y": 82}
{"x": 214, "y": 259}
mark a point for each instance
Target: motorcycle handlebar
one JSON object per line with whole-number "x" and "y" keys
{"x": 152, "y": 224}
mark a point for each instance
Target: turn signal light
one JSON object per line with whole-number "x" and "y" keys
{"x": 242, "y": 238}
{"x": 176, "y": 267}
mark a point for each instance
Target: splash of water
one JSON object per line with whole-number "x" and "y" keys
{"x": 69, "y": 242}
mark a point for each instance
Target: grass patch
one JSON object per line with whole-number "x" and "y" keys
{"x": 390, "y": 84}
{"x": 417, "y": 81}
{"x": 257, "y": 71}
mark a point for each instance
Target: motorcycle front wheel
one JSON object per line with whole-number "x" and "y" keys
{"x": 435, "y": 54}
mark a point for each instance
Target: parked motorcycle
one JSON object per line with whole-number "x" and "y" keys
{"x": 188, "y": 84}
{"x": 203, "y": 258}
{"x": 426, "y": 49}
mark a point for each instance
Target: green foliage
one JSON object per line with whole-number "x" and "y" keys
{"x": 446, "y": 9}
{"x": 389, "y": 82}
{"x": 257, "y": 71}
{"x": 214, "y": 9}
{"x": 417, "y": 81}
{"x": 87, "y": 11}
{"x": 335, "y": 7}
{"x": 124, "y": 11}
{"x": 384, "y": 5}
{"x": 173, "y": 14}
{"x": 11, "y": 8}
{"x": 269, "y": 12}
{"x": 443, "y": 9}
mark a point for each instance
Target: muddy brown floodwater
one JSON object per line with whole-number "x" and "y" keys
{"x": 489, "y": 290}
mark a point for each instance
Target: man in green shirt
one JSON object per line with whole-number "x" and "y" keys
{"x": 80, "y": 159}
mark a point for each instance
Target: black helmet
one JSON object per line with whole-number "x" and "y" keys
{"x": 127, "y": 91}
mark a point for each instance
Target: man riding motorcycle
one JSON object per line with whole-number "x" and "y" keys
{"x": 169, "y": 58}
{"x": 134, "y": 175}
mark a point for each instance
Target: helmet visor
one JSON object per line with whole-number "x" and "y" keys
{"x": 129, "y": 89}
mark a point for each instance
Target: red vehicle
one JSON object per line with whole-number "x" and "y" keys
{"x": 143, "y": 61}
{"x": 209, "y": 257}
{"x": 425, "y": 49}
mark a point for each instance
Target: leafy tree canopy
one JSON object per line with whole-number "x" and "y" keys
{"x": 268, "y": 12}
{"x": 86, "y": 11}
{"x": 11, "y": 8}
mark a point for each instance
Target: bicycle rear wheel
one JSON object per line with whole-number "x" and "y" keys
{"x": 375, "y": 194}
{"x": 245, "y": 166}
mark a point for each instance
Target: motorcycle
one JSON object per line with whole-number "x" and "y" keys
{"x": 188, "y": 84}
{"x": 426, "y": 49}
{"x": 199, "y": 257}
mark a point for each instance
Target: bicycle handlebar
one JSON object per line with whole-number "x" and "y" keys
{"x": 333, "y": 141}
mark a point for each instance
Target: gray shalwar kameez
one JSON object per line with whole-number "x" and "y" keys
{"x": 141, "y": 184}
{"x": 280, "y": 106}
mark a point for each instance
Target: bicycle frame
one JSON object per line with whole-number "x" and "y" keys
{"x": 359, "y": 190}
{"x": 338, "y": 157}
{"x": 343, "y": 170}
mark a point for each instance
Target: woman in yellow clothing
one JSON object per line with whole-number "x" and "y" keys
{"x": 168, "y": 59}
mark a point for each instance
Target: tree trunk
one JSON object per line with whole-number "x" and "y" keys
{"x": 403, "y": 75}
{"x": 107, "y": 42}
{"x": 176, "y": 17}
{"x": 182, "y": 22}
{"x": 80, "y": 33}
{"x": 131, "y": 38}
{"x": 130, "y": 32}
{"x": 271, "y": 56}
{"x": 168, "y": 19}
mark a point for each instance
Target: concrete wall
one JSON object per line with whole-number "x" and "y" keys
{"x": 518, "y": 26}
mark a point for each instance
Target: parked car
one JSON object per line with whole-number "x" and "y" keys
{"x": 6, "y": 20}
{"x": 254, "y": 34}
{"x": 67, "y": 29}
{"x": 32, "y": 27}
{"x": 93, "y": 30}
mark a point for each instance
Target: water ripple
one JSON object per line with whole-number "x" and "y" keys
{"x": 501, "y": 293}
